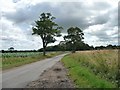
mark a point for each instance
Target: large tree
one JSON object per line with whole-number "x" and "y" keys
{"x": 47, "y": 29}
{"x": 74, "y": 37}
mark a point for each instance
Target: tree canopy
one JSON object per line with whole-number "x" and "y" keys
{"x": 46, "y": 28}
{"x": 74, "y": 37}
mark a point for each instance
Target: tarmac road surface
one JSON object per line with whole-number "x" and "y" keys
{"x": 19, "y": 77}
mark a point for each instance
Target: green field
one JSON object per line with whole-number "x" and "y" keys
{"x": 10, "y": 60}
{"x": 93, "y": 69}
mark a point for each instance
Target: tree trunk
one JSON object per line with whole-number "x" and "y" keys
{"x": 74, "y": 48}
{"x": 44, "y": 52}
{"x": 44, "y": 48}
{"x": 73, "y": 51}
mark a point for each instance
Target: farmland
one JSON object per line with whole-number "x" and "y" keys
{"x": 93, "y": 69}
{"x": 10, "y": 60}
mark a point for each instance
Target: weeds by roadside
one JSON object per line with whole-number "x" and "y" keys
{"x": 96, "y": 69}
{"x": 15, "y": 61}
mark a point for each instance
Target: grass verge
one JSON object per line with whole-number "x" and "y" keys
{"x": 11, "y": 62}
{"x": 90, "y": 69}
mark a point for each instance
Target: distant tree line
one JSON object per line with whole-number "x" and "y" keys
{"x": 83, "y": 46}
{"x": 14, "y": 51}
{"x": 108, "y": 47}
{"x": 62, "y": 46}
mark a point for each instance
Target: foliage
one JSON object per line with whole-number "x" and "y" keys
{"x": 46, "y": 29}
{"x": 11, "y": 49}
{"x": 74, "y": 37}
{"x": 80, "y": 47}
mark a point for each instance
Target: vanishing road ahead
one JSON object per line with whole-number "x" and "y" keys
{"x": 19, "y": 77}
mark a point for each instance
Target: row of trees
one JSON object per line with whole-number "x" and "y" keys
{"x": 108, "y": 47}
{"x": 47, "y": 29}
{"x": 64, "y": 47}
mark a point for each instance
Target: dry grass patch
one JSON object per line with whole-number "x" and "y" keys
{"x": 96, "y": 64}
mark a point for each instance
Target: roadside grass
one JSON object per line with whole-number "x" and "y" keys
{"x": 10, "y": 62}
{"x": 93, "y": 69}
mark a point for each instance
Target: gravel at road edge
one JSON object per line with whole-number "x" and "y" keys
{"x": 55, "y": 77}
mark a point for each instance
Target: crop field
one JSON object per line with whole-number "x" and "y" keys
{"x": 93, "y": 69}
{"x": 9, "y": 60}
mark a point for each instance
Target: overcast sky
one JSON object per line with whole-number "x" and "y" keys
{"x": 97, "y": 18}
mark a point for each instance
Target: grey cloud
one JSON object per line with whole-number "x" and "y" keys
{"x": 101, "y": 19}
{"x": 119, "y": 14}
{"x": 15, "y": 1}
{"x": 103, "y": 36}
{"x": 101, "y": 5}
{"x": 68, "y": 14}
{"x": 6, "y": 39}
{"x": 29, "y": 13}
{"x": 114, "y": 18}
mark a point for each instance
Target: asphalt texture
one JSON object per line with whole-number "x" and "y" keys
{"x": 19, "y": 77}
